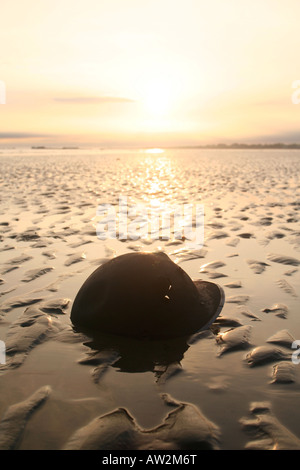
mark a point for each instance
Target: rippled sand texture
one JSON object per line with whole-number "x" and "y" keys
{"x": 63, "y": 390}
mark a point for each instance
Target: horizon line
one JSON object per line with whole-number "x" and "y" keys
{"x": 219, "y": 146}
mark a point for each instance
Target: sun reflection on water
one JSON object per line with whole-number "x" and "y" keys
{"x": 154, "y": 151}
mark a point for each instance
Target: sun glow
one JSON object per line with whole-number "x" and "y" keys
{"x": 154, "y": 151}
{"x": 159, "y": 97}
{"x": 158, "y": 100}
{"x": 138, "y": 72}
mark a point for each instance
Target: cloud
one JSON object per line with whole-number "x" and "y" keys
{"x": 19, "y": 135}
{"x": 94, "y": 99}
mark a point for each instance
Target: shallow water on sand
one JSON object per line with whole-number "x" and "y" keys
{"x": 49, "y": 246}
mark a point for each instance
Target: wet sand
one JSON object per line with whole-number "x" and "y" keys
{"x": 231, "y": 387}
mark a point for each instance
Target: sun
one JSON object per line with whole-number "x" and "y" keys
{"x": 157, "y": 101}
{"x": 160, "y": 93}
{"x": 158, "y": 98}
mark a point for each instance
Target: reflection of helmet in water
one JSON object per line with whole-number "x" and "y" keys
{"x": 145, "y": 295}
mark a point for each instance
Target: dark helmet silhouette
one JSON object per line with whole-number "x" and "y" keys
{"x": 145, "y": 295}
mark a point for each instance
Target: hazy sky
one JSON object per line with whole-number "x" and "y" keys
{"x": 153, "y": 72}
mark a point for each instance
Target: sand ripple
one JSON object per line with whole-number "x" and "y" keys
{"x": 283, "y": 259}
{"x": 30, "y": 329}
{"x": 265, "y": 354}
{"x": 282, "y": 337}
{"x": 16, "y": 417}
{"x": 118, "y": 430}
{"x": 35, "y": 273}
{"x": 236, "y": 338}
{"x": 283, "y": 372}
{"x": 266, "y": 431}
{"x": 257, "y": 266}
{"x": 286, "y": 286}
{"x": 280, "y": 310}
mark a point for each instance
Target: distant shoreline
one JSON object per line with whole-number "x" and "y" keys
{"x": 242, "y": 146}
{"x": 42, "y": 147}
{"x": 221, "y": 146}
{"x": 208, "y": 146}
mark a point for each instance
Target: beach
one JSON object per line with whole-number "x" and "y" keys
{"x": 233, "y": 386}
